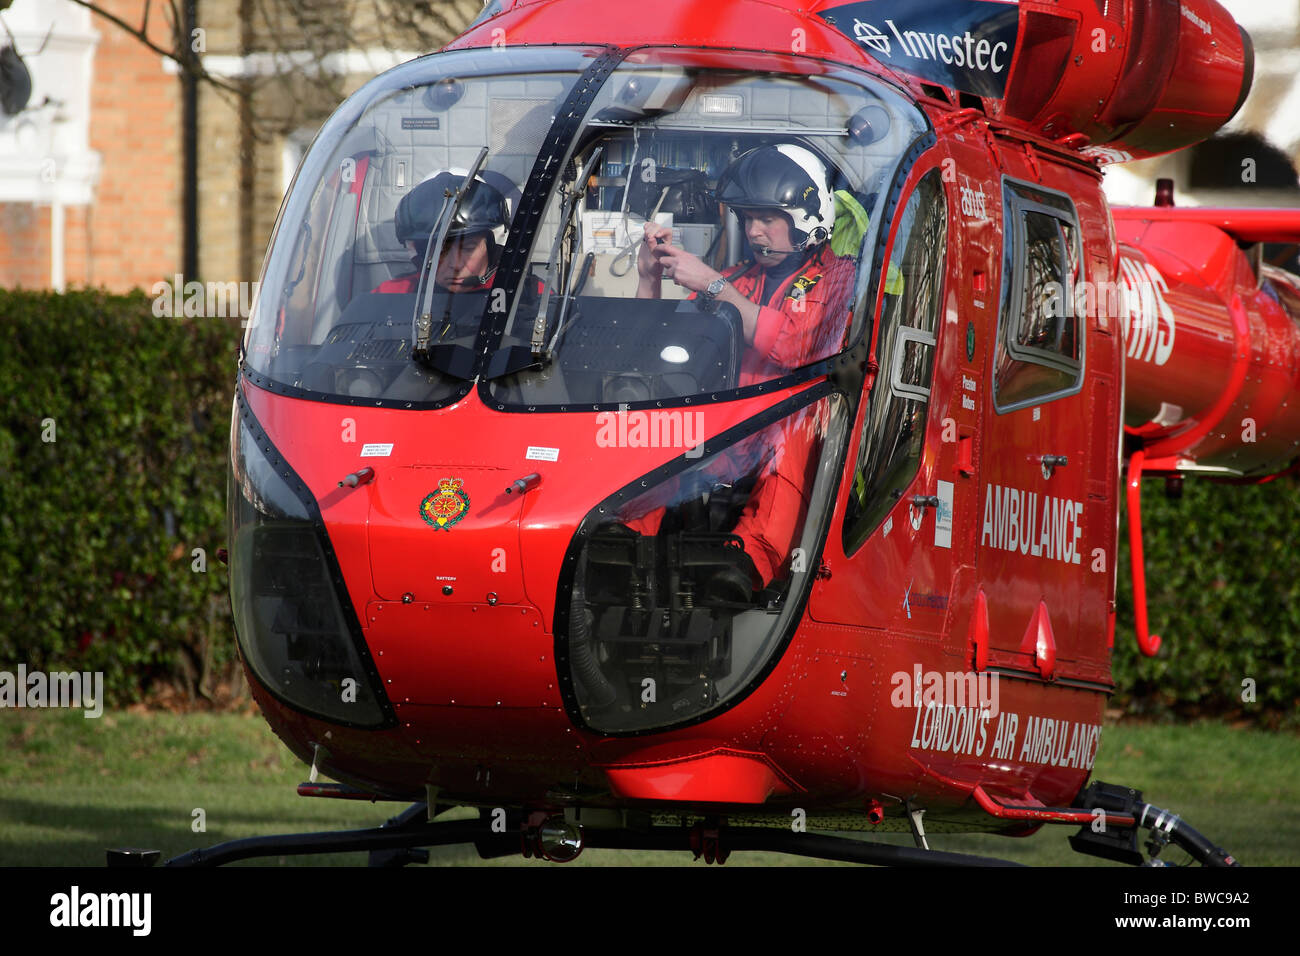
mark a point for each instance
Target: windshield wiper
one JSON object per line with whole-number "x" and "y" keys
{"x": 576, "y": 285}
{"x": 513, "y": 359}
{"x": 569, "y": 206}
{"x": 444, "y": 358}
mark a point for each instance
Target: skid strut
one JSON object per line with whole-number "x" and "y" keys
{"x": 398, "y": 843}
{"x": 1111, "y": 817}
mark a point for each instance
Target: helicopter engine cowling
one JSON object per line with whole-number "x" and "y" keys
{"x": 1143, "y": 78}
{"x": 1123, "y": 80}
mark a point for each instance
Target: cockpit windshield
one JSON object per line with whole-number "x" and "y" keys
{"x": 710, "y": 228}
{"x": 388, "y": 173}
{"x": 713, "y": 232}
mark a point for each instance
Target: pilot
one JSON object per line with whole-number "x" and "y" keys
{"x": 474, "y": 238}
{"x": 795, "y": 297}
{"x": 784, "y": 292}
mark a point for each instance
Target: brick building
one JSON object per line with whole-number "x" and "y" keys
{"x": 97, "y": 185}
{"x": 90, "y": 170}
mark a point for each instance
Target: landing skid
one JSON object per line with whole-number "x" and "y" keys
{"x": 1112, "y": 817}
{"x": 404, "y": 838}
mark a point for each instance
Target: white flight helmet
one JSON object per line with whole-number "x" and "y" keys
{"x": 785, "y": 177}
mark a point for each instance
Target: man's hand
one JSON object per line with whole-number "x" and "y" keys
{"x": 649, "y": 269}
{"x": 686, "y": 269}
{"x": 659, "y": 258}
{"x": 656, "y": 237}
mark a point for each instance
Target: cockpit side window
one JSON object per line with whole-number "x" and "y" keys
{"x": 1040, "y": 334}
{"x": 893, "y": 431}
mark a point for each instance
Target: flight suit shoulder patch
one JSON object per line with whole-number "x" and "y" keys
{"x": 803, "y": 285}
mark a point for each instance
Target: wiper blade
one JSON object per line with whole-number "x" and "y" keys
{"x": 423, "y": 349}
{"x": 569, "y": 206}
{"x": 575, "y": 287}
{"x": 513, "y": 359}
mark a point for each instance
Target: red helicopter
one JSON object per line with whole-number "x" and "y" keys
{"x": 701, "y": 427}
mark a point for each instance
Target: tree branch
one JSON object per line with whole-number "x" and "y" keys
{"x": 188, "y": 62}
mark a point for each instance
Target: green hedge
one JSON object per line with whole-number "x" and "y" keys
{"x": 98, "y": 528}
{"x": 1224, "y": 595}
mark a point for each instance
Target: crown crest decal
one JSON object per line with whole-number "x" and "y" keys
{"x": 446, "y": 506}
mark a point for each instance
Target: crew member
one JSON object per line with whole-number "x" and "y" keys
{"x": 795, "y": 299}
{"x": 474, "y": 238}
{"x": 794, "y": 294}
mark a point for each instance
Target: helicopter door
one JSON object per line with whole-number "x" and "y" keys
{"x": 884, "y": 530}
{"x": 1034, "y": 492}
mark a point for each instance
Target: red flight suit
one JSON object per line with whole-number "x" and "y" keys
{"x": 402, "y": 285}
{"x": 808, "y": 324}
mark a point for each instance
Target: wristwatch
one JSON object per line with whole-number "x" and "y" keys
{"x": 710, "y": 294}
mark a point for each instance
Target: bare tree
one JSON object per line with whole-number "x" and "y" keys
{"x": 285, "y": 66}
{"x": 181, "y": 52}
{"x": 298, "y": 44}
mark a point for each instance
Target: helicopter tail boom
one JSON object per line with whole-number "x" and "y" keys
{"x": 1212, "y": 339}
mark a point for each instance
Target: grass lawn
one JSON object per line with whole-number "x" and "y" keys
{"x": 70, "y": 788}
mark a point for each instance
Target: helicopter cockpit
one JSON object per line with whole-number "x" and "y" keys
{"x": 566, "y": 326}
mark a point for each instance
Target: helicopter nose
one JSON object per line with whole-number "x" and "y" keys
{"x": 447, "y": 573}
{"x": 447, "y": 534}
